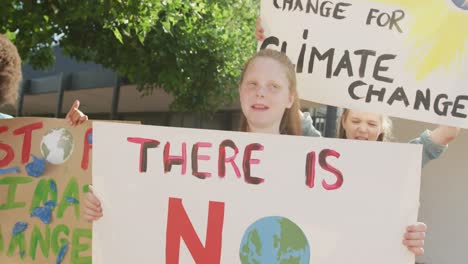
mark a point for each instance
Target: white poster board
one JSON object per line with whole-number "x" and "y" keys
{"x": 323, "y": 200}
{"x": 403, "y": 58}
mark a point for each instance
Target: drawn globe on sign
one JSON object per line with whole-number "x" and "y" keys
{"x": 274, "y": 240}
{"x": 57, "y": 145}
{"x": 463, "y": 4}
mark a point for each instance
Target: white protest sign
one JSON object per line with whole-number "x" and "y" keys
{"x": 174, "y": 195}
{"x": 403, "y": 58}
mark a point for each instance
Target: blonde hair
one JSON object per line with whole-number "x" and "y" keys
{"x": 291, "y": 120}
{"x": 10, "y": 71}
{"x": 385, "y": 135}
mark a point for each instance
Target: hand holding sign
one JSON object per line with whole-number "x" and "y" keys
{"x": 93, "y": 209}
{"x": 414, "y": 238}
{"x": 74, "y": 115}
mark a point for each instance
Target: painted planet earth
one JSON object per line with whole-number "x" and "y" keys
{"x": 57, "y": 145}
{"x": 274, "y": 240}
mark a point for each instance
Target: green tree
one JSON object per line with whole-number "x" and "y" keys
{"x": 193, "y": 50}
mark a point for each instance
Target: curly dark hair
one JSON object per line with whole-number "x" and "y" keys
{"x": 10, "y": 71}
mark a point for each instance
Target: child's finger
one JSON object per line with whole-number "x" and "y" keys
{"x": 75, "y": 105}
{"x": 259, "y": 37}
{"x": 92, "y": 199}
{"x": 92, "y": 206}
{"x": 418, "y": 227}
{"x": 82, "y": 119}
{"x": 417, "y": 251}
{"x": 91, "y": 213}
{"x": 90, "y": 218}
{"x": 74, "y": 117}
{"x": 413, "y": 243}
{"x": 415, "y": 235}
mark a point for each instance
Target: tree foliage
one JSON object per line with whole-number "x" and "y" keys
{"x": 194, "y": 49}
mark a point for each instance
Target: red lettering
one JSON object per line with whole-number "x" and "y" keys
{"x": 9, "y": 153}
{"x": 223, "y": 160}
{"x": 180, "y": 227}
{"x": 310, "y": 169}
{"x": 196, "y": 157}
{"x": 248, "y": 161}
{"x": 87, "y": 146}
{"x": 27, "y": 131}
{"x": 175, "y": 160}
{"x": 145, "y": 144}
{"x": 323, "y": 163}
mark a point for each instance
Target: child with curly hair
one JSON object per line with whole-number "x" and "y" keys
{"x": 10, "y": 73}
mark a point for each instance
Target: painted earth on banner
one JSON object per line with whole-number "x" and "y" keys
{"x": 407, "y": 59}
{"x": 45, "y": 170}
